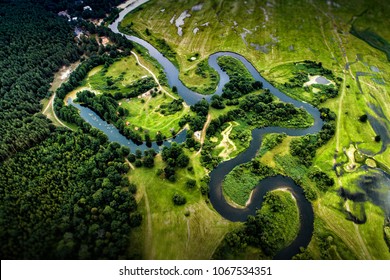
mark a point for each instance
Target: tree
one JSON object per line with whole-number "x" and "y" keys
{"x": 124, "y": 151}
{"x": 138, "y": 163}
{"x": 182, "y": 160}
{"x": 217, "y": 102}
{"x": 138, "y": 154}
{"x": 148, "y": 161}
{"x": 363, "y": 118}
{"x": 191, "y": 184}
{"x": 179, "y": 199}
{"x": 131, "y": 158}
{"x": 159, "y": 138}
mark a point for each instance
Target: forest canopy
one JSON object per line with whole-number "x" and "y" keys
{"x": 63, "y": 194}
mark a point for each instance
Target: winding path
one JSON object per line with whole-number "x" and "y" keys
{"x": 154, "y": 76}
{"x": 51, "y": 106}
{"x": 203, "y": 134}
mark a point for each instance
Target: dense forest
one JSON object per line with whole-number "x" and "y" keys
{"x": 33, "y": 45}
{"x": 98, "y": 8}
{"x": 63, "y": 194}
{"x": 67, "y": 198}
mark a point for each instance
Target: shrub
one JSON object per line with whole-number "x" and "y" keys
{"x": 179, "y": 199}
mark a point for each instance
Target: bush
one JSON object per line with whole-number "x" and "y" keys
{"x": 131, "y": 158}
{"x": 191, "y": 184}
{"x": 363, "y": 118}
{"x": 179, "y": 199}
{"x": 138, "y": 163}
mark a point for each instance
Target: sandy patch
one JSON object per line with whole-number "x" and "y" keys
{"x": 127, "y": 3}
{"x": 65, "y": 74}
{"x": 197, "y": 135}
{"x": 197, "y": 7}
{"x": 350, "y": 153}
{"x": 227, "y": 144}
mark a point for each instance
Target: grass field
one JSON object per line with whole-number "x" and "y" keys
{"x": 122, "y": 72}
{"x": 145, "y": 116}
{"x": 191, "y": 231}
{"x": 321, "y": 33}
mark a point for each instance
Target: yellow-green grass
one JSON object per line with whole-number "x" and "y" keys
{"x": 215, "y": 113}
{"x": 364, "y": 241}
{"x": 144, "y": 113}
{"x": 219, "y": 36}
{"x": 249, "y": 253}
{"x": 329, "y": 206}
{"x": 126, "y": 67}
{"x": 199, "y": 83}
{"x": 173, "y": 234}
{"x": 227, "y": 145}
{"x": 96, "y": 79}
{"x": 282, "y": 73}
{"x": 282, "y": 149}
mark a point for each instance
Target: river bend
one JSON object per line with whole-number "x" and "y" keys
{"x": 218, "y": 174}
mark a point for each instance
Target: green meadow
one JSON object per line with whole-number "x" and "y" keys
{"x": 276, "y": 45}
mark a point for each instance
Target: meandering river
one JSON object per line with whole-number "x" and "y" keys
{"x": 218, "y": 174}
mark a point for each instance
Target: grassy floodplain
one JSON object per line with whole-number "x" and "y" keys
{"x": 263, "y": 34}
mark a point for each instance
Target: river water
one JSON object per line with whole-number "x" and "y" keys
{"x": 218, "y": 174}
